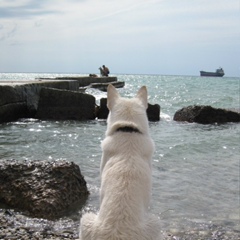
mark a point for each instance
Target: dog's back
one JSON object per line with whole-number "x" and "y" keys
{"x": 125, "y": 174}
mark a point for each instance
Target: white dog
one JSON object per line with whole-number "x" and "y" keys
{"x": 125, "y": 174}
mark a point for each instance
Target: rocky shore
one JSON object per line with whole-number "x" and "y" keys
{"x": 34, "y": 195}
{"x": 15, "y": 226}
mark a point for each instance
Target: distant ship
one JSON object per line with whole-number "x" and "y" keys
{"x": 218, "y": 73}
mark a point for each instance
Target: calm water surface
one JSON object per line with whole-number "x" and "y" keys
{"x": 195, "y": 167}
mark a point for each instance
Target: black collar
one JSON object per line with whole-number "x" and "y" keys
{"x": 128, "y": 129}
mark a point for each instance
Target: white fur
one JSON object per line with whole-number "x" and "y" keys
{"x": 125, "y": 175}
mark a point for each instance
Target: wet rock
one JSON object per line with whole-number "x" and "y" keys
{"x": 42, "y": 188}
{"x": 206, "y": 115}
{"x": 102, "y": 110}
{"x": 153, "y": 111}
{"x": 65, "y": 105}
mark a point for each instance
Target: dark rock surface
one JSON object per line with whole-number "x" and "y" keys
{"x": 65, "y": 105}
{"x": 13, "y": 105}
{"x": 153, "y": 111}
{"x": 42, "y": 188}
{"x": 14, "y": 111}
{"x": 206, "y": 115}
{"x": 20, "y": 100}
{"x": 103, "y": 111}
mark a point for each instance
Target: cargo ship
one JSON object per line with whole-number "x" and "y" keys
{"x": 218, "y": 73}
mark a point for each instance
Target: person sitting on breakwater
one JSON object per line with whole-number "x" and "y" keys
{"x": 104, "y": 71}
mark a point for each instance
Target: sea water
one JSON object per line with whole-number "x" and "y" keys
{"x": 196, "y": 167}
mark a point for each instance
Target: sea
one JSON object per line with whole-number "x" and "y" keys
{"x": 195, "y": 167}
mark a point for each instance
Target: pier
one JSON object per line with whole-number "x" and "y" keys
{"x": 19, "y": 99}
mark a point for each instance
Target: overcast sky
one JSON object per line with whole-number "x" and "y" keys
{"x": 174, "y": 37}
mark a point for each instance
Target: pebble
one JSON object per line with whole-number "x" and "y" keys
{"x": 15, "y": 226}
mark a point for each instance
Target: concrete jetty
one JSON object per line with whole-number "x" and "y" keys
{"x": 19, "y": 99}
{"x": 83, "y": 81}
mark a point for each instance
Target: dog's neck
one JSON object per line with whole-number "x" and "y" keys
{"x": 129, "y": 129}
{"x": 124, "y": 127}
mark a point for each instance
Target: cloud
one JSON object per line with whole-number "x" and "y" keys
{"x": 127, "y": 32}
{"x": 7, "y": 31}
{"x": 22, "y": 9}
{"x": 121, "y": 8}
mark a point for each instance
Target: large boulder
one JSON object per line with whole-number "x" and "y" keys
{"x": 42, "y": 188}
{"x": 206, "y": 115}
{"x": 153, "y": 111}
{"x": 65, "y": 105}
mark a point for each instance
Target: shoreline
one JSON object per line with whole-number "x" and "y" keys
{"x": 15, "y": 225}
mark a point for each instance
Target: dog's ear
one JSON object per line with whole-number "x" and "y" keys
{"x": 143, "y": 96}
{"x": 112, "y": 96}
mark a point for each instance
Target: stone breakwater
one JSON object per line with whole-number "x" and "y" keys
{"x": 56, "y": 99}
{"x": 19, "y": 99}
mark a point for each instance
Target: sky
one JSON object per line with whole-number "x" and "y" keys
{"x": 167, "y": 37}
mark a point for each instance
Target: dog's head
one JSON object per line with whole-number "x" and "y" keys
{"x": 124, "y": 112}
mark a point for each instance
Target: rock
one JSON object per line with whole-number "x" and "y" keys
{"x": 42, "y": 188}
{"x": 103, "y": 110}
{"x": 153, "y": 111}
{"x": 65, "y": 105}
{"x": 206, "y": 115}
